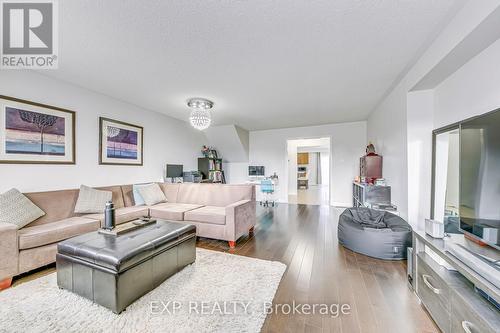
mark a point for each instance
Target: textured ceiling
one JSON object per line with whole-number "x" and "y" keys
{"x": 265, "y": 64}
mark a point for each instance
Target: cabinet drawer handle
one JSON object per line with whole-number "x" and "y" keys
{"x": 426, "y": 277}
{"x": 466, "y": 326}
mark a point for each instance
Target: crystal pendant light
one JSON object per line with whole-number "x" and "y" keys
{"x": 200, "y": 113}
{"x": 200, "y": 119}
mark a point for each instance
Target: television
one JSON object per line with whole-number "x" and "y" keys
{"x": 256, "y": 170}
{"x": 174, "y": 170}
{"x": 480, "y": 178}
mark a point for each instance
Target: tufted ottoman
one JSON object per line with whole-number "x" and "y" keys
{"x": 114, "y": 271}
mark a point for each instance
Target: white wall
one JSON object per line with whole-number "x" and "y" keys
{"x": 390, "y": 127}
{"x": 230, "y": 141}
{"x": 348, "y": 140}
{"x": 166, "y": 140}
{"x": 472, "y": 90}
{"x": 290, "y": 176}
{"x": 325, "y": 170}
{"x": 387, "y": 131}
{"x": 236, "y": 172}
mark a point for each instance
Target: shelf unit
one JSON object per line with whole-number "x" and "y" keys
{"x": 363, "y": 195}
{"x": 211, "y": 170}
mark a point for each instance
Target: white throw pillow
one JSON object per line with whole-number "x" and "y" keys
{"x": 138, "y": 200}
{"x": 152, "y": 194}
{"x": 91, "y": 200}
{"x": 16, "y": 208}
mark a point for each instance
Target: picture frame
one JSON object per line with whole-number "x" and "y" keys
{"x": 120, "y": 143}
{"x": 36, "y": 133}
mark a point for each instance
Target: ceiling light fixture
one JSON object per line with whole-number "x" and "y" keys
{"x": 200, "y": 117}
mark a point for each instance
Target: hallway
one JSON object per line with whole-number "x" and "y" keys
{"x": 314, "y": 195}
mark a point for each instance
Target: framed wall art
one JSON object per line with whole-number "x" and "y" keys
{"x": 34, "y": 133}
{"x": 120, "y": 143}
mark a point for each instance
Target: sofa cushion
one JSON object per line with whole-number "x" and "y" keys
{"x": 16, "y": 208}
{"x": 36, "y": 257}
{"x": 91, "y": 200}
{"x": 171, "y": 211}
{"x": 128, "y": 195}
{"x": 171, "y": 190}
{"x": 53, "y": 232}
{"x": 57, "y": 205}
{"x": 219, "y": 195}
{"x": 123, "y": 215}
{"x": 207, "y": 214}
{"x": 152, "y": 194}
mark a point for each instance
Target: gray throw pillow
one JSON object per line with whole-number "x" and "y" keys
{"x": 152, "y": 194}
{"x": 16, "y": 208}
{"x": 91, "y": 200}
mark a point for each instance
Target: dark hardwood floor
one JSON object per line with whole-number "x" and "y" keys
{"x": 319, "y": 270}
{"x": 322, "y": 271}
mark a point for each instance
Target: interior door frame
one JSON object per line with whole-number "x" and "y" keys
{"x": 330, "y": 162}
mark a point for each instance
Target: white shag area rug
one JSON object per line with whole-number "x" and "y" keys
{"x": 220, "y": 292}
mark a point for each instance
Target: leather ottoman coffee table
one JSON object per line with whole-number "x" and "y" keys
{"x": 114, "y": 271}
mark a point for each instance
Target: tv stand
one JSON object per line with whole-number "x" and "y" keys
{"x": 446, "y": 286}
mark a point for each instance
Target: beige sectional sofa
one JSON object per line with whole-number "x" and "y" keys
{"x": 224, "y": 212}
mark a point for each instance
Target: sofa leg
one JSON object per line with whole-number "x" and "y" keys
{"x": 250, "y": 232}
{"x": 232, "y": 244}
{"x": 5, "y": 283}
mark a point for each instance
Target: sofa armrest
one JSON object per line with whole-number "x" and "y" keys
{"x": 9, "y": 250}
{"x": 237, "y": 204}
{"x": 240, "y": 218}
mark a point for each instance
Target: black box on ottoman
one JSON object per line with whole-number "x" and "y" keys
{"x": 114, "y": 271}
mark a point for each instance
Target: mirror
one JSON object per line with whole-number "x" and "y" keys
{"x": 445, "y": 205}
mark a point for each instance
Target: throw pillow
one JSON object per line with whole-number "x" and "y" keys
{"x": 91, "y": 200}
{"x": 138, "y": 200}
{"x": 152, "y": 194}
{"x": 16, "y": 208}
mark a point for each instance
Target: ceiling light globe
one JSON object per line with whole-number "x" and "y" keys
{"x": 200, "y": 119}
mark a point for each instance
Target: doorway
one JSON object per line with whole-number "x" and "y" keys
{"x": 309, "y": 171}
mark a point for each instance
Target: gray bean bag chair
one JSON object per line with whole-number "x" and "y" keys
{"x": 374, "y": 233}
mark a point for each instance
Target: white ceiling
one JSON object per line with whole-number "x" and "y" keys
{"x": 265, "y": 64}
